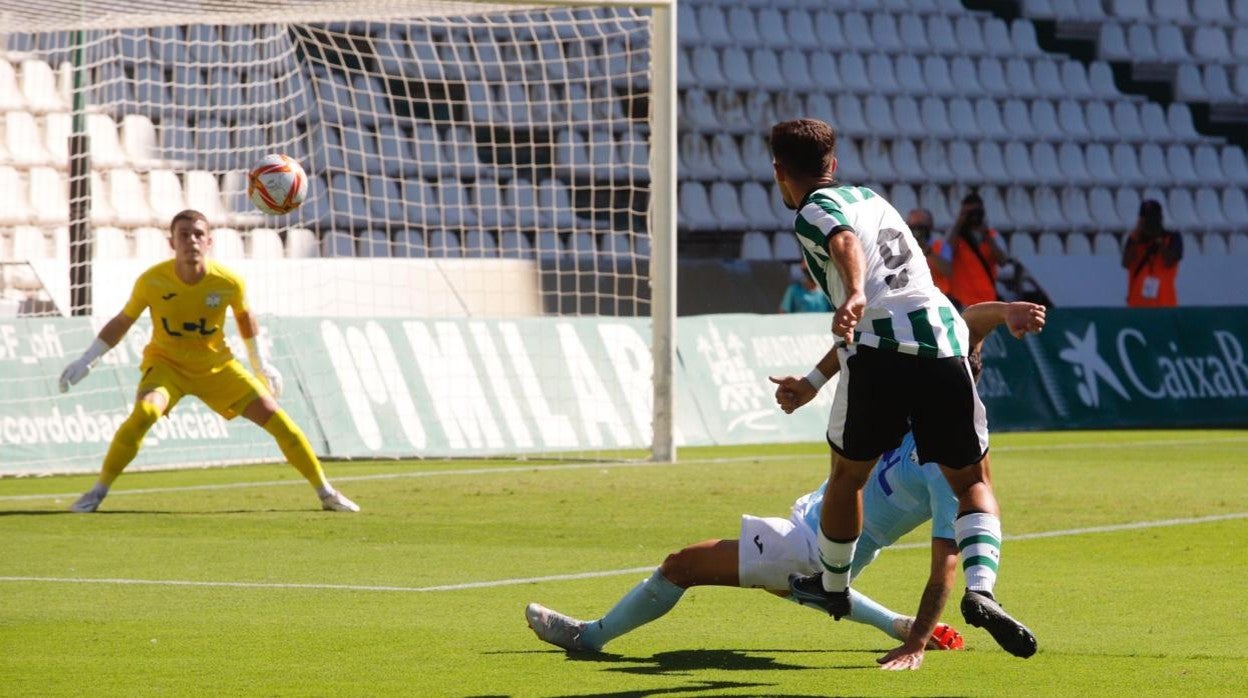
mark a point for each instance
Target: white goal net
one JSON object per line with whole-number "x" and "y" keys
{"x": 472, "y": 167}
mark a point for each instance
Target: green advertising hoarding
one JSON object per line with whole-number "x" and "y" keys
{"x": 387, "y": 387}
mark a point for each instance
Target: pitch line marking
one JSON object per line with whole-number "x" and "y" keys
{"x": 1111, "y": 528}
{"x": 588, "y": 466}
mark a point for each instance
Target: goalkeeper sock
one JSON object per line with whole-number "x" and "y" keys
{"x": 979, "y": 540}
{"x": 645, "y": 602}
{"x": 296, "y": 448}
{"x": 866, "y": 611}
{"x": 126, "y": 442}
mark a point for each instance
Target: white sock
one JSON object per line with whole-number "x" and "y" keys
{"x": 100, "y": 489}
{"x": 836, "y": 559}
{"x": 979, "y": 540}
{"x": 325, "y": 491}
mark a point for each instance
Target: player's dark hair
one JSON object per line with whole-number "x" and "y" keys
{"x": 188, "y": 214}
{"x": 803, "y": 146}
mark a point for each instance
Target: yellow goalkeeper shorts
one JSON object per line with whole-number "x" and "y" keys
{"x": 227, "y": 388}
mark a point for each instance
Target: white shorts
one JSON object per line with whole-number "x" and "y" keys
{"x": 770, "y": 549}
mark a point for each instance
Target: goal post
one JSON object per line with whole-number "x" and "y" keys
{"x": 473, "y": 167}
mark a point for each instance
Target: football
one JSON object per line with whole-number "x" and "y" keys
{"x": 277, "y": 185}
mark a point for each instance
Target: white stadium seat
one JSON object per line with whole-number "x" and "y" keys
{"x": 151, "y": 244}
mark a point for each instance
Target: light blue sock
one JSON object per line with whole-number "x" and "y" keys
{"x": 866, "y": 611}
{"x": 645, "y": 602}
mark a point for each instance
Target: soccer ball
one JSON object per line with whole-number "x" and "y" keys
{"x": 277, "y": 185}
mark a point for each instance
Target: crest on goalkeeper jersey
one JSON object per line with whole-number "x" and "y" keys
{"x": 277, "y": 185}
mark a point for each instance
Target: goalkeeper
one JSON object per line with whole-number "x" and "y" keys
{"x": 901, "y": 494}
{"x": 187, "y": 355}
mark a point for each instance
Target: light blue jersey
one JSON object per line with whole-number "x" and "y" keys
{"x": 901, "y": 494}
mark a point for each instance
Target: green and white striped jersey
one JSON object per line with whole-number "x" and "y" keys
{"x": 905, "y": 311}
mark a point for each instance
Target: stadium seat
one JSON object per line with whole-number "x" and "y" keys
{"x": 22, "y": 140}
{"x": 409, "y": 243}
{"x": 548, "y": 244}
{"x": 56, "y": 132}
{"x": 1191, "y": 245}
{"x": 514, "y": 245}
{"x": 445, "y": 243}
{"x": 1023, "y": 36}
{"x": 138, "y": 141}
{"x": 1018, "y": 78}
{"x": 49, "y": 196}
{"x": 878, "y": 112}
{"x": 1141, "y": 44}
{"x": 1075, "y": 80}
{"x": 554, "y": 203}
{"x": 737, "y": 69}
{"x": 1019, "y": 210}
{"x": 13, "y": 200}
{"x": 1106, "y": 245}
{"x": 851, "y": 166}
{"x": 110, "y": 243}
{"x": 1211, "y": 85}
{"x": 227, "y": 243}
{"x": 934, "y": 158}
{"x": 1156, "y": 127}
{"x": 1049, "y": 209}
{"x": 102, "y": 212}
{"x": 883, "y": 76}
{"x": 264, "y": 243}
{"x": 151, "y": 244}
{"x": 936, "y": 118}
{"x": 798, "y": 24}
{"x": 1181, "y": 211}
{"x": 164, "y": 195}
{"x": 713, "y": 26}
{"x": 906, "y": 161}
{"x": 1044, "y": 120}
{"x": 1153, "y": 163}
{"x": 1021, "y": 245}
{"x": 11, "y": 98}
{"x": 704, "y": 61}
{"x": 794, "y": 70}
{"x": 1212, "y": 12}
{"x": 1238, "y": 245}
{"x": 1018, "y": 163}
{"x": 933, "y": 199}
{"x": 850, "y": 119}
{"x": 744, "y": 27}
{"x": 1214, "y": 245}
{"x": 756, "y": 246}
{"x": 1127, "y": 205}
{"x": 725, "y": 207}
{"x": 823, "y": 64}
{"x": 695, "y": 208}
{"x": 38, "y": 85}
{"x": 1047, "y": 78}
{"x": 1075, "y": 209}
{"x": 1210, "y": 45}
{"x": 126, "y": 195}
{"x": 828, "y": 26}
{"x": 908, "y": 120}
{"x": 1112, "y": 43}
{"x": 1070, "y": 118}
{"x": 940, "y": 35}
{"x": 1235, "y": 207}
{"x": 372, "y": 243}
{"x": 936, "y": 75}
{"x": 852, "y": 70}
{"x": 756, "y": 206}
{"x": 1102, "y": 209}
{"x": 1049, "y": 244}
{"x": 1127, "y": 165}
{"x": 1078, "y": 245}
{"x": 990, "y": 162}
{"x": 988, "y": 118}
{"x": 1233, "y": 164}
{"x": 1209, "y": 208}
{"x": 1044, "y": 163}
{"x": 991, "y": 77}
{"x": 1179, "y": 118}
{"x": 877, "y": 160}
{"x": 726, "y": 161}
{"x": 1070, "y": 157}
{"x": 1127, "y": 121}
{"x": 785, "y": 247}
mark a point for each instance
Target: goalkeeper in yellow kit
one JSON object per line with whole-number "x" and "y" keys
{"x": 187, "y": 355}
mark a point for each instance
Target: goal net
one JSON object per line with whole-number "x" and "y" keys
{"x": 487, "y": 182}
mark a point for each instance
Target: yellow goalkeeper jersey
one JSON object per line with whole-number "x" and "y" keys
{"x": 188, "y": 321}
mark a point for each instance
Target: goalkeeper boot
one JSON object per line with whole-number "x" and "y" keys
{"x": 336, "y": 501}
{"x": 89, "y": 502}
{"x": 981, "y": 610}
{"x": 809, "y": 591}
{"x": 556, "y": 628}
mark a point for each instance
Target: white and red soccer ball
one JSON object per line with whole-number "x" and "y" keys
{"x": 277, "y": 185}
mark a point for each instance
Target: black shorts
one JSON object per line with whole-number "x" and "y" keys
{"x": 882, "y": 394}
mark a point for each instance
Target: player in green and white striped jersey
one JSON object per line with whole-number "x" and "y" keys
{"x": 903, "y": 367}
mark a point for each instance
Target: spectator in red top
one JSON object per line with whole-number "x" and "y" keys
{"x": 976, "y": 252}
{"x": 939, "y": 256}
{"x": 1151, "y": 258}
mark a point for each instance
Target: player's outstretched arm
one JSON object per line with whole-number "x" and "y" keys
{"x": 1019, "y": 317}
{"x": 793, "y": 392}
{"x": 111, "y": 333}
{"x": 249, "y": 329}
{"x": 939, "y": 583}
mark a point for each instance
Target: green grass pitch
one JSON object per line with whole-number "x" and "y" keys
{"x": 1129, "y": 566}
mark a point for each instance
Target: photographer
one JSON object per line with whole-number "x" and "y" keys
{"x": 939, "y": 256}
{"x": 1151, "y": 258}
{"x": 976, "y": 252}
